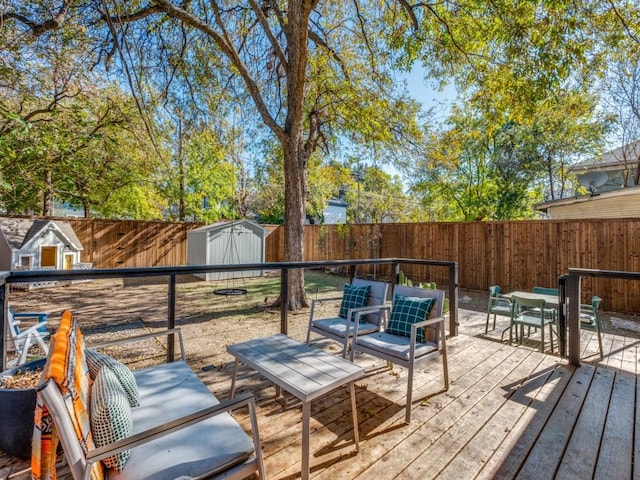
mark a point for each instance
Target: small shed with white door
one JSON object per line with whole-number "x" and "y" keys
{"x": 227, "y": 243}
{"x": 33, "y": 244}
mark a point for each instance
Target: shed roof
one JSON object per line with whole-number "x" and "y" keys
{"x": 20, "y": 231}
{"x": 213, "y": 227}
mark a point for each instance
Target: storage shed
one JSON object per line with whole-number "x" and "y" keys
{"x": 27, "y": 244}
{"x": 227, "y": 243}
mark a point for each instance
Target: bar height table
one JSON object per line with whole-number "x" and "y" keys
{"x": 305, "y": 372}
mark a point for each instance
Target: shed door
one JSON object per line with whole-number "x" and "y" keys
{"x": 48, "y": 256}
{"x": 68, "y": 261}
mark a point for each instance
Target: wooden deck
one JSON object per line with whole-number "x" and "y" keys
{"x": 510, "y": 412}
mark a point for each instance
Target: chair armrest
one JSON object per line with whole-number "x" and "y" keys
{"x": 358, "y": 312}
{"x": 41, "y": 316}
{"x": 138, "y": 338}
{"x": 246, "y": 399}
{"x": 33, "y": 328}
{"x": 329, "y": 299}
{"x": 428, "y": 322}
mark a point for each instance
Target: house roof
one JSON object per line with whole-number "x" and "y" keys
{"x": 20, "y": 231}
{"x": 612, "y": 160}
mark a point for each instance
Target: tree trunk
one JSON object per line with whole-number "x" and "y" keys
{"x": 47, "y": 194}
{"x": 294, "y": 200}
{"x": 182, "y": 206}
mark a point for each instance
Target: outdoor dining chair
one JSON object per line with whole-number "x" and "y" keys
{"x": 359, "y": 296}
{"x": 531, "y": 312}
{"x": 590, "y": 319}
{"x": 413, "y": 334}
{"x": 548, "y": 291}
{"x": 498, "y": 305}
{"x": 22, "y": 339}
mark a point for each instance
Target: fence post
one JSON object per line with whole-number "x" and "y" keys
{"x": 573, "y": 317}
{"x": 284, "y": 300}
{"x": 172, "y": 317}
{"x": 453, "y": 299}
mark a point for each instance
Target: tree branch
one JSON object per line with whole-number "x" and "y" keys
{"x": 230, "y": 52}
{"x": 267, "y": 30}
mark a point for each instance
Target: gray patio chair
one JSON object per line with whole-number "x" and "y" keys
{"x": 408, "y": 338}
{"x": 590, "y": 319}
{"x": 498, "y": 305}
{"x": 341, "y": 327}
{"x": 526, "y": 312}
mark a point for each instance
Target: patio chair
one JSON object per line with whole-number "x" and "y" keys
{"x": 548, "y": 291}
{"x": 342, "y": 327}
{"x": 590, "y": 320}
{"x": 498, "y": 305}
{"x": 413, "y": 334}
{"x": 526, "y": 312}
{"x": 23, "y": 339}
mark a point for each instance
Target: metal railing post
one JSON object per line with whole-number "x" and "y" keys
{"x": 172, "y": 317}
{"x": 284, "y": 300}
{"x": 573, "y": 317}
{"x": 3, "y": 326}
{"x": 562, "y": 315}
{"x": 453, "y": 300}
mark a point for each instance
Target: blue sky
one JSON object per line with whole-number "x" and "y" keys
{"x": 426, "y": 92}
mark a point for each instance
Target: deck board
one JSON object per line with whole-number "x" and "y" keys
{"x": 581, "y": 453}
{"x": 510, "y": 412}
{"x": 615, "y": 456}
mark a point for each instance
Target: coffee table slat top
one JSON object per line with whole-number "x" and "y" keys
{"x": 305, "y": 372}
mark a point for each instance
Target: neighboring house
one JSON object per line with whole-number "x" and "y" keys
{"x": 610, "y": 187}
{"x": 27, "y": 244}
{"x": 335, "y": 211}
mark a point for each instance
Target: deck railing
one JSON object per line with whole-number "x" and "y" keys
{"x": 570, "y": 283}
{"x": 9, "y": 278}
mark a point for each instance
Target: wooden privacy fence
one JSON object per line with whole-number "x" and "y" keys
{"x": 516, "y": 255}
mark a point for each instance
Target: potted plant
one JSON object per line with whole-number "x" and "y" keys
{"x": 17, "y": 405}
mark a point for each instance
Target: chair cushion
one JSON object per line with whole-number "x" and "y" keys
{"x": 353, "y": 297}
{"x": 193, "y": 451}
{"x": 338, "y": 327}
{"x": 394, "y": 345}
{"x": 96, "y": 360}
{"x": 111, "y": 418}
{"x": 405, "y": 312}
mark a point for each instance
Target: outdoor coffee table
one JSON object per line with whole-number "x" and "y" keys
{"x": 305, "y": 372}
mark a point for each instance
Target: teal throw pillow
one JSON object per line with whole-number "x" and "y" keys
{"x": 405, "y": 312}
{"x": 353, "y": 297}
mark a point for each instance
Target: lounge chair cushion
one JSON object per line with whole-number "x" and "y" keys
{"x": 192, "y": 451}
{"x": 353, "y": 297}
{"x": 96, "y": 360}
{"x": 395, "y": 345}
{"x": 111, "y": 418}
{"x": 338, "y": 326}
{"x": 405, "y": 312}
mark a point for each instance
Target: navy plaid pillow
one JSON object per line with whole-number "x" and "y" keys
{"x": 409, "y": 310}
{"x": 353, "y": 297}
